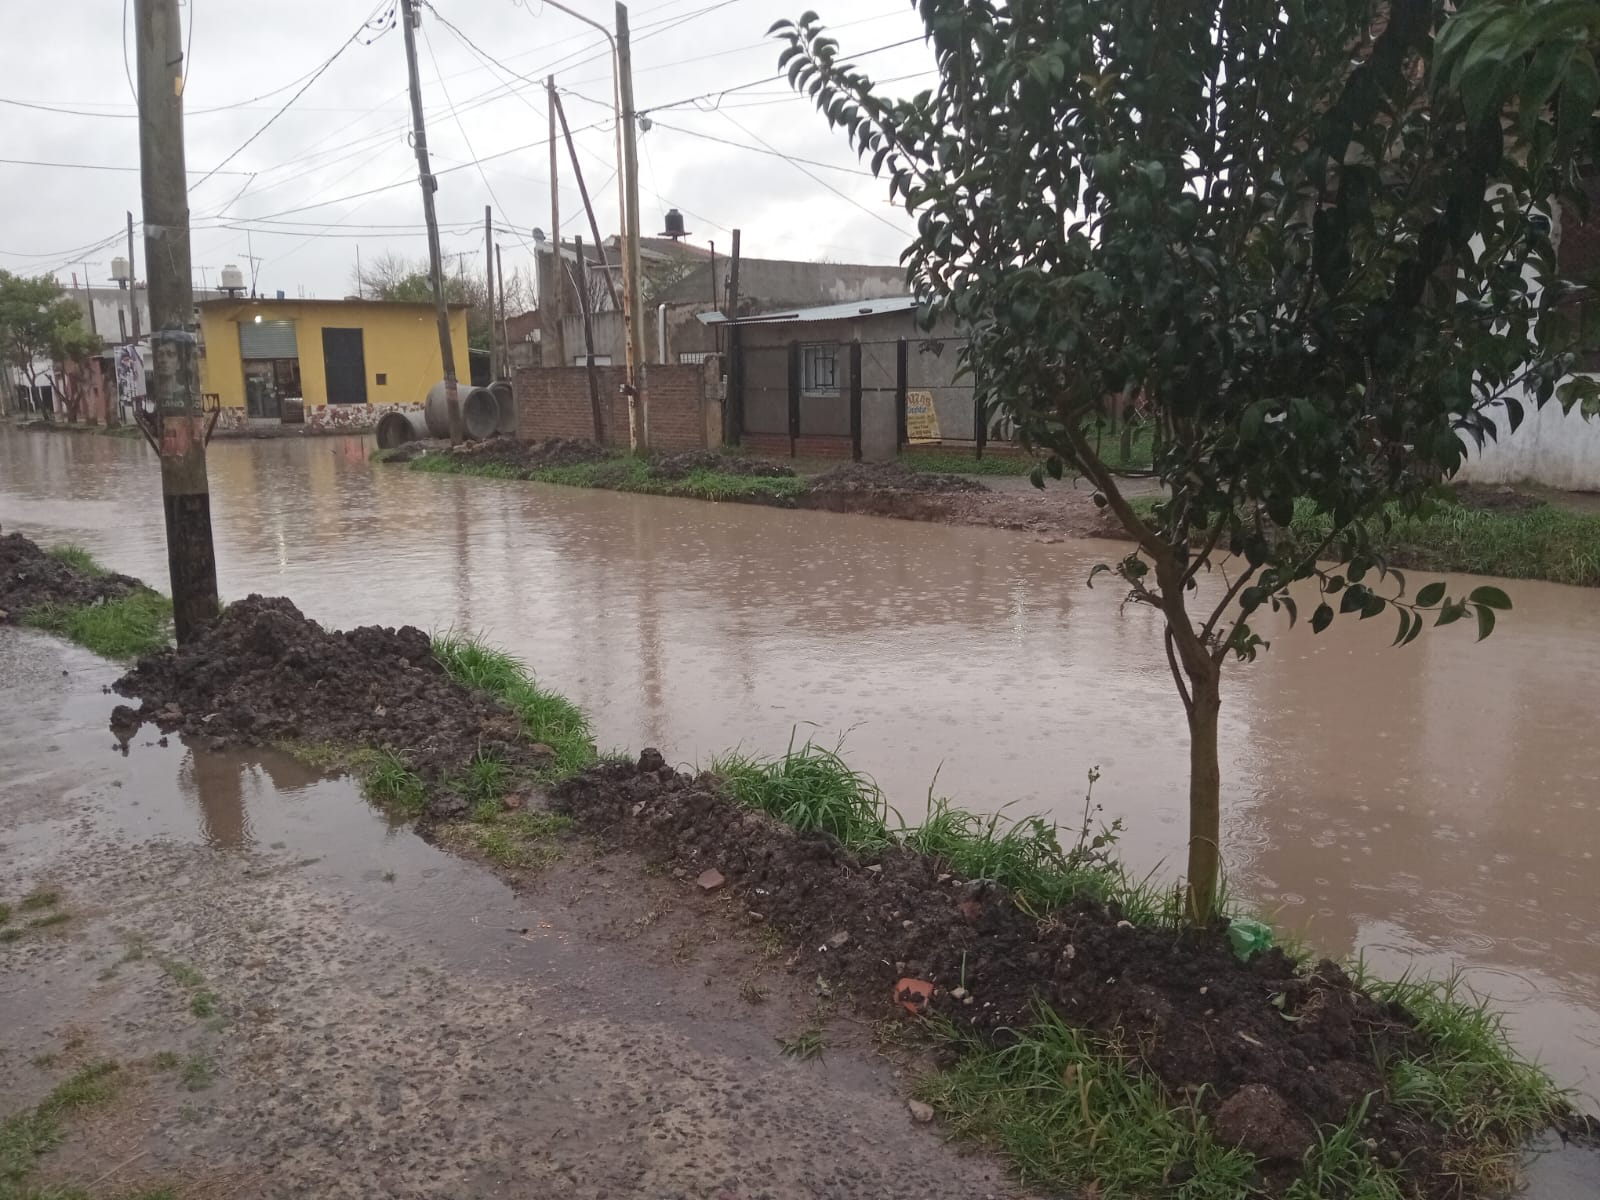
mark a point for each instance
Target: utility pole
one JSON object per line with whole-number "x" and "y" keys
{"x": 409, "y": 18}
{"x": 633, "y": 306}
{"x": 583, "y": 190}
{"x": 488, "y": 266}
{"x": 176, "y": 425}
{"x": 558, "y": 269}
{"x": 588, "y": 344}
{"x": 88, "y": 290}
{"x": 733, "y": 281}
{"x": 133, "y": 283}
{"x": 505, "y": 334}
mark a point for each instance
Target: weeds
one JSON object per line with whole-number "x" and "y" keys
{"x": 203, "y": 1004}
{"x": 76, "y": 557}
{"x": 546, "y": 717}
{"x": 1340, "y": 1165}
{"x": 182, "y": 974}
{"x": 26, "y": 1136}
{"x": 138, "y": 624}
{"x": 198, "y": 1074}
{"x": 486, "y": 781}
{"x": 811, "y": 789}
{"x": 623, "y": 474}
{"x": 523, "y": 840}
{"x": 165, "y": 1060}
{"x": 42, "y": 898}
{"x": 5, "y": 913}
{"x": 390, "y": 783}
{"x": 805, "y": 1045}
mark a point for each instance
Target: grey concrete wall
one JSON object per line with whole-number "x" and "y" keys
{"x": 879, "y": 426}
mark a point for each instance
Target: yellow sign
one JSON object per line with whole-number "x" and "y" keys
{"x": 922, "y": 418}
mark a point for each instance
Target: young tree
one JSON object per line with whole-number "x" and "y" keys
{"x": 38, "y": 324}
{"x": 391, "y": 277}
{"x": 1313, "y": 236}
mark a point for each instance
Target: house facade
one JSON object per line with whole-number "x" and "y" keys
{"x": 333, "y": 363}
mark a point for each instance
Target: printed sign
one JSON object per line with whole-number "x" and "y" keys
{"x": 922, "y": 419}
{"x": 130, "y": 381}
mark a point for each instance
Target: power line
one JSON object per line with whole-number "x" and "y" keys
{"x": 771, "y": 78}
{"x": 30, "y": 162}
{"x": 711, "y": 137}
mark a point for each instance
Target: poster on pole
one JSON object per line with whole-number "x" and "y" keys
{"x": 922, "y": 418}
{"x": 130, "y": 382}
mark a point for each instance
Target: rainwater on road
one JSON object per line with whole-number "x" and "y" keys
{"x": 1434, "y": 808}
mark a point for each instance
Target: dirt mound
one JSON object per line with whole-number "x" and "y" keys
{"x": 29, "y": 578}
{"x": 1205, "y": 1023}
{"x": 681, "y": 466}
{"x": 1489, "y": 498}
{"x": 514, "y": 452}
{"x": 266, "y": 673}
{"x": 890, "y": 477}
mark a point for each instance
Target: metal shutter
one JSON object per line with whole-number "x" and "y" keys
{"x": 267, "y": 339}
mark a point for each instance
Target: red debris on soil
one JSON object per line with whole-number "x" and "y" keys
{"x": 266, "y": 673}
{"x": 30, "y": 578}
{"x": 681, "y": 466}
{"x": 1275, "y": 1052}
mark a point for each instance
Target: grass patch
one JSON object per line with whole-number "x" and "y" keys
{"x": 182, "y": 974}
{"x": 623, "y": 474}
{"x": 805, "y": 1045}
{"x": 138, "y": 624}
{"x": 546, "y": 717}
{"x": 203, "y": 1004}
{"x": 389, "y": 782}
{"x": 952, "y": 462}
{"x": 39, "y": 899}
{"x": 523, "y": 840}
{"x": 26, "y": 1136}
{"x": 165, "y": 1060}
{"x": 197, "y": 1074}
{"x": 812, "y": 789}
{"x": 76, "y": 557}
{"x": 1067, "y": 1111}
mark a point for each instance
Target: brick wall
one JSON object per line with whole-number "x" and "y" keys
{"x": 554, "y": 402}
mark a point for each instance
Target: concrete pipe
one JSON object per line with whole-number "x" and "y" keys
{"x": 506, "y": 402}
{"x": 398, "y": 428}
{"x": 480, "y": 413}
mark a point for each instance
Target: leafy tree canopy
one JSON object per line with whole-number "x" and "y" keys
{"x": 1314, "y": 235}
{"x": 39, "y": 323}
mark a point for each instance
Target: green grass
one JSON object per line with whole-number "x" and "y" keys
{"x": 547, "y": 717}
{"x": 1068, "y": 1111}
{"x": 812, "y": 789}
{"x": 197, "y": 1074}
{"x": 40, "y": 899}
{"x": 136, "y": 625}
{"x": 182, "y": 974}
{"x": 522, "y": 839}
{"x": 203, "y": 1004}
{"x": 951, "y": 462}
{"x": 805, "y": 1045}
{"x": 389, "y": 782}
{"x": 623, "y": 474}
{"x": 32, "y": 1133}
{"x": 76, "y": 557}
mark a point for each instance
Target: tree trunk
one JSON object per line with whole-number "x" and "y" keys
{"x": 1205, "y": 790}
{"x": 186, "y": 495}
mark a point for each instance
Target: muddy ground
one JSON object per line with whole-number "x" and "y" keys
{"x": 304, "y": 1001}
{"x": 30, "y": 578}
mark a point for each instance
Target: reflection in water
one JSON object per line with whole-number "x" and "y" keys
{"x": 1438, "y": 804}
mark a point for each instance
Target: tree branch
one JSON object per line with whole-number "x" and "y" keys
{"x": 1177, "y": 674}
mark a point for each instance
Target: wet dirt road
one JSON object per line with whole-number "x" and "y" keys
{"x": 1432, "y": 808}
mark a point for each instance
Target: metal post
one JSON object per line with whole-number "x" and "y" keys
{"x": 794, "y": 396}
{"x": 588, "y": 344}
{"x": 902, "y": 375}
{"x": 733, "y": 404}
{"x": 855, "y": 400}
{"x": 176, "y": 426}
{"x": 488, "y": 266}
{"x": 505, "y": 334}
{"x": 409, "y": 18}
{"x": 633, "y": 308}
{"x": 583, "y": 190}
{"x": 558, "y": 269}
{"x": 980, "y": 428}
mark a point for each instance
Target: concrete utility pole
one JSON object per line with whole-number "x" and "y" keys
{"x": 488, "y": 266}
{"x": 588, "y": 346}
{"x": 505, "y": 335}
{"x": 409, "y": 19}
{"x": 176, "y": 425}
{"x": 633, "y": 304}
{"x": 133, "y": 283}
{"x": 558, "y": 268}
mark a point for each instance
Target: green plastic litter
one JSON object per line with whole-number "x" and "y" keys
{"x": 1249, "y": 937}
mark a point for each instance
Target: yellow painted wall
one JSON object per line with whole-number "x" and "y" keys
{"x": 401, "y": 341}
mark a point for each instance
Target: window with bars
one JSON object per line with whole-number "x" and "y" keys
{"x": 819, "y": 369}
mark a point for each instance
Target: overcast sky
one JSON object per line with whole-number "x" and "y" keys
{"x": 348, "y": 133}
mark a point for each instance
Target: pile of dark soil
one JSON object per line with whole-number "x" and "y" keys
{"x": 266, "y": 673}
{"x": 1267, "y": 1052}
{"x": 1488, "y": 498}
{"x": 514, "y": 452}
{"x": 681, "y": 466}
{"x": 29, "y": 578}
{"x": 890, "y": 477}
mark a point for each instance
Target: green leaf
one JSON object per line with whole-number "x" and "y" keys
{"x": 1322, "y": 618}
{"x": 1289, "y": 604}
{"x": 1373, "y": 605}
{"x": 1405, "y": 626}
{"x": 1451, "y": 613}
{"x": 1490, "y": 597}
{"x": 1485, "y": 621}
{"x": 1431, "y": 594}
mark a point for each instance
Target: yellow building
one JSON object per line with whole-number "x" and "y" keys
{"x": 339, "y": 357}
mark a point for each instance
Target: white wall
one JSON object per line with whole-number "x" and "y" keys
{"x": 1550, "y": 447}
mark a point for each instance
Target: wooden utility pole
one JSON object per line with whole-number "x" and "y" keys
{"x": 505, "y": 334}
{"x": 558, "y": 266}
{"x": 733, "y": 392}
{"x": 488, "y": 266}
{"x": 409, "y": 18}
{"x": 583, "y": 190}
{"x": 588, "y": 344}
{"x": 633, "y": 305}
{"x": 733, "y": 281}
{"x": 133, "y": 285}
{"x": 176, "y": 426}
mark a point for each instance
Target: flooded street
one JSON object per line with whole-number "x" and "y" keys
{"x": 1432, "y": 807}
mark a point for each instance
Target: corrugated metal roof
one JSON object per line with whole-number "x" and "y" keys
{"x": 827, "y": 312}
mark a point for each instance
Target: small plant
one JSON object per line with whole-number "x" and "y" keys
{"x": 181, "y": 973}
{"x": 203, "y": 1004}
{"x": 389, "y": 782}
{"x": 198, "y": 1074}
{"x": 522, "y": 840}
{"x": 76, "y": 557}
{"x": 805, "y": 1045}
{"x": 487, "y": 780}
{"x": 812, "y": 789}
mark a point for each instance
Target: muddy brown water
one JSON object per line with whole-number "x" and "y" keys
{"x": 1433, "y": 809}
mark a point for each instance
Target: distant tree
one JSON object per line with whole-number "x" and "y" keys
{"x": 389, "y": 276}
{"x": 657, "y": 276}
{"x": 39, "y": 324}
{"x": 1312, "y": 236}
